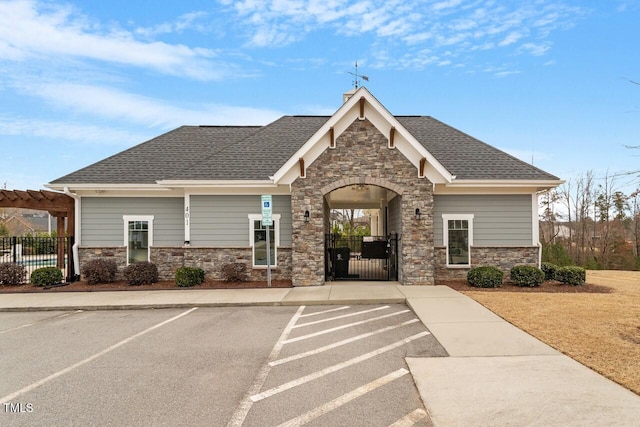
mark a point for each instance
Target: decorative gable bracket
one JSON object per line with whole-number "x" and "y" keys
{"x": 359, "y": 108}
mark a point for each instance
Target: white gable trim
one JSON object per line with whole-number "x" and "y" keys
{"x": 383, "y": 120}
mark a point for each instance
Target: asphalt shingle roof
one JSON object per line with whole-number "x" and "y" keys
{"x": 467, "y": 157}
{"x": 162, "y": 157}
{"x": 257, "y": 152}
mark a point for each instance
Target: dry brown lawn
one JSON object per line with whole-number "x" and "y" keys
{"x": 600, "y": 330}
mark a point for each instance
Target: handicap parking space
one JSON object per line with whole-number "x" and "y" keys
{"x": 203, "y": 366}
{"x": 345, "y": 366}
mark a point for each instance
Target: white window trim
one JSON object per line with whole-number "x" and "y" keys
{"x": 276, "y": 233}
{"x": 445, "y": 236}
{"x": 129, "y": 218}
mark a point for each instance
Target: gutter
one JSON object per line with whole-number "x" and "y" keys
{"x": 76, "y": 231}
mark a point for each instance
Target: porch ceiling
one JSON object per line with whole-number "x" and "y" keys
{"x": 359, "y": 197}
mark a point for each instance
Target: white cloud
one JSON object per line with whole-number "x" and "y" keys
{"x": 463, "y": 26}
{"x": 511, "y": 38}
{"x": 111, "y": 103}
{"x": 17, "y": 126}
{"x": 188, "y": 21}
{"x": 506, "y": 73}
{"x": 31, "y": 30}
{"x": 535, "y": 49}
{"x": 448, "y": 4}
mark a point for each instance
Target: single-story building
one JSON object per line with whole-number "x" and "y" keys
{"x": 444, "y": 201}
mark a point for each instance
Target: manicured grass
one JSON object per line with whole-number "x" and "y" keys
{"x": 599, "y": 330}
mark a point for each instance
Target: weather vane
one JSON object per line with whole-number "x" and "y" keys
{"x": 357, "y": 76}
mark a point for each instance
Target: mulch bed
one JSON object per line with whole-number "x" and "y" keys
{"x": 550, "y": 286}
{"x": 83, "y": 286}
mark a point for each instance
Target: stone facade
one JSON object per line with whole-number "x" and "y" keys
{"x": 503, "y": 257}
{"x": 211, "y": 260}
{"x": 117, "y": 254}
{"x": 361, "y": 156}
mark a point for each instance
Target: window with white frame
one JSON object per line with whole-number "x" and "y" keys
{"x": 457, "y": 233}
{"x": 138, "y": 237}
{"x": 258, "y": 240}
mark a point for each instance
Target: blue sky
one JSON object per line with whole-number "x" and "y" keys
{"x": 543, "y": 80}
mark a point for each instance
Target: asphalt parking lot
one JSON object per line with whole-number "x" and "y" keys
{"x": 250, "y": 366}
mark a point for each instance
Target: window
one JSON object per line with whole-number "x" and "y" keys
{"x": 258, "y": 240}
{"x": 138, "y": 237}
{"x": 457, "y": 233}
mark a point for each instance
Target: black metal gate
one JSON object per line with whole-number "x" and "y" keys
{"x": 361, "y": 258}
{"x": 36, "y": 252}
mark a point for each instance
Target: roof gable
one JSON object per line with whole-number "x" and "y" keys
{"x": 363, "y": 105}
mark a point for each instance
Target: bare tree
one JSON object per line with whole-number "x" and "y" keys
{"x": 566, "y": 197}
{"x": 549, "y": 229}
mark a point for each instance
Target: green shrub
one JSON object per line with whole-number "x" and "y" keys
{"x": 46, "y": 276}
{"x": 189, "y": 276}
{"x": 526, "y": 275}
{"x": 549, "y": 269}
{"x": 485, "y": 277}
{"x": 141, "y": 273}
{"x": 234, "y": 272}
{"x": 12, "y": 274}
{"x": 571, "y": 275}
{"x": 100, "y": 271}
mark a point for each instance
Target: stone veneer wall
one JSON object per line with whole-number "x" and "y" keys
{"x": 118, "y": 254}
{"x": 211, "y": 260}
{"x": 361, "y": 156}
{"x": 503, "y": 257}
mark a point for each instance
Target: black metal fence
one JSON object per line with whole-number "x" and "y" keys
{"x": 38, "y": 252}
{"x": 361, "y": 258}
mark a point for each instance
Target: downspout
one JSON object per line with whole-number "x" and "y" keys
{"x": 536, "y": 223}
{"x": 76, "y": 231}
{"x": 539, "y": 255}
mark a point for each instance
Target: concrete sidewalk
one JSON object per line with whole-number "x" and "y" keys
{"x": 496, "y": 375}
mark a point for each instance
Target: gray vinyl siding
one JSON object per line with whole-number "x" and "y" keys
{"x": 223, "y": 221}
{"x": 327, "y": 215}
{"x": 102, "y": 223}
{"x": 499, "y": 220}
{"x": 394, "y": 216}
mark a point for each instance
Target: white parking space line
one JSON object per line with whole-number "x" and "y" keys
{"x": 357, "y": 313}
{"x": 245, "y": 406}
{"x": 334, "y": 368}
{"x": 344, "y": 399}
{"x": 340, "y": 343}
{"x": 58, "y": 316}
{"x": 43, "y": 381}
{"x": 411, "y": 418}
{"x": 337, "y": 328}
{"x": 317, "y": 313}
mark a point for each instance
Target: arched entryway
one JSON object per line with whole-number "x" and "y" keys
{"x": 362, "y": 227}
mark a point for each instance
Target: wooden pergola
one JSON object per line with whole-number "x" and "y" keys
{"x": 59, "y": 205}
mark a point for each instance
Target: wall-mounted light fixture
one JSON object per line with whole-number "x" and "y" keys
{"x": 306, "y": 216}
{"x": 418, "y": 213}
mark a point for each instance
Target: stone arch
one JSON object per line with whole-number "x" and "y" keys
{"x": 362, "y": 180}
